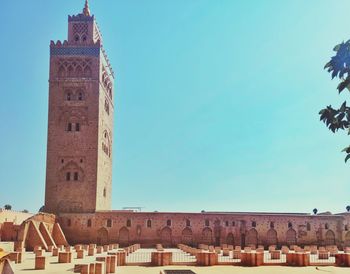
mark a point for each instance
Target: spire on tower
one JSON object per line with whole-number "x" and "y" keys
{"x": 86, "y": 10}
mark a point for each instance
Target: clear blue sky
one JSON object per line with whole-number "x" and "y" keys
{"x": 216, "y": 102}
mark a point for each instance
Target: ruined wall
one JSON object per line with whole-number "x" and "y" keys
{"x": 210, "y": 228}
{"x": 17, "y": 217}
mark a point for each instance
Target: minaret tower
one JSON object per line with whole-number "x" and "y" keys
{"x": 80, "y": 123}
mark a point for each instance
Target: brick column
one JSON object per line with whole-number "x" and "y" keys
{"x": 121, "y": 258}
{"x": 40, "y": 262}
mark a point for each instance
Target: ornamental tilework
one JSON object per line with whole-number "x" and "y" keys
{"x": 75, "y": 51}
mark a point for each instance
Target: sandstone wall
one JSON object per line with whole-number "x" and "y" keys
{"x": 210, "y": 228}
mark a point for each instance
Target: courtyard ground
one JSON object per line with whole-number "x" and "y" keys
{"x": 53, "y": 267}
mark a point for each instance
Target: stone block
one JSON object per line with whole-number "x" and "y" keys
{"x": 64, "y": 257}
{"x": 113, "y": 263}
{"x": 275, "y": 254}
{"x": 55, "y": 252}
{"x": 80, "y": 254}
{"x": 68, "y": 249}
{"x": 39, "y": 253}
{"x": 92, "y": 268}
{"x": 40, "y": 262}
{"x": 37, "y": 247}
{"x": 14, "y": 257}
{"x": 81, "y": 268}
{"x": 100, "y": 268}
{"x": 99, "y": 250}
{"x": 91, "y": 251}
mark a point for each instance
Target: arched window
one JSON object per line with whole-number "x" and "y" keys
{"x": 78, "y": 71}
{"x": 76, "y": 176}
{"x": 77, "y": 127}
{"x": 107, "y": 106}
{"x": 83, "y": 38}
{"x": 188, "y": 222}
{"x": 89, "y": 223}
{"x": 233, "y": 223}
{"x": 168, "y": 222}
{"x": 76, "y": 38}
{"x": 326, "y": 226}
{"x": 80, "y": 96}
{"x": 109, "y": 223}
{"x": 87, "y": 72}
{"x": 149, "y": 223}
{"x": 128, "y": 223}
{"x": 69, "y": 127}
{"x": 70, "y": 71}
{"x": 290, "y": 225}
{"x": 61, "y": 72}
{"x": 308, "y": 226}
{"x": 206, "y": 222}
{"x": 253, "y": 223}
{"x": 104, "y": 192}
{"x": 68, "y": 96}
{"x": 71, "y": 171}
{"x": 226, "y": 223}
{"x": 272, "y": 225}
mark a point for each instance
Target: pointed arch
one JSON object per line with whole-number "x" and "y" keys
{"x": 291, "y": 237}
{"x": 124, "y": 236}
{"x": 347, "y": 239}
{"x": 230, "y": 240}
{"x": 102, "y": 236}
{"x": 61, "y": 71}
{"x": 186, "y": 236}
{"x": 71, "y": 171}
{"x": 271, "y": 237}
{"x": 252, "y": 237}
{"x": 207, "y": 236}
{"x": 87, "y": 72}
{"x": 166, "y": 236}
{"x": 70, "y": 71}
{"x": 330, "y": 237}
{"x": 78, "y": 71}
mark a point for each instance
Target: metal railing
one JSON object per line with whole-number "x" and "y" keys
{"x": 322, "y": 258}
{"x": 139, "y": 257}
{"x": 276, "y": 258}
{"x": 227, "y": 258}
{"x": 183, "y": 257}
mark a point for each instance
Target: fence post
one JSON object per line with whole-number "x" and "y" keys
{"x": 121, "y": 258}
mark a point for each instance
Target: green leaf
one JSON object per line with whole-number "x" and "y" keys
{"x": 347, "y": 158}
{"x": 337, "y": 47}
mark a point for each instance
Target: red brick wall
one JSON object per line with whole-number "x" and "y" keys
{"x": 138, "y": 232}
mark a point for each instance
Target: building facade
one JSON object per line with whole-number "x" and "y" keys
{"x": 79, "y": 168}
{"x": 80, "y": 124}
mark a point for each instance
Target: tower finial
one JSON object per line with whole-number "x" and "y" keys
{"x": 86, "y": 10}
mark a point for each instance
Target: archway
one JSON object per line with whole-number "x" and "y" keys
{"x": 165, "y": 236}
{"x": 271, "y": 237}
{"x": 124, "y": 236}
{"x": 207, "y": 235}
{"x": 102, "y": 236}
{"x": 291, "y": 237}
{"x": 230, "y": 240}
{"x": 187, "y": 236}
{"x": 347, "y": 239}
{"x": 330, "y": 238}
{"x": 252, "y": 238}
